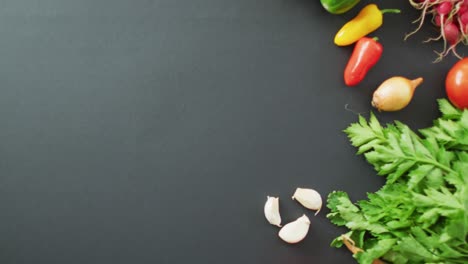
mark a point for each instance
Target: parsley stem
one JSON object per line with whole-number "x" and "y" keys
{"x": 428, "y": 161}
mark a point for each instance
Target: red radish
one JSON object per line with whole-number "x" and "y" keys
{"x": 464, "y": 19}
{"x": 452, "y": 33}
{"x": 462, "y": 9}
{"x": 444, "y": 8}
{"x": 437, "y": 20}
{"x": 464, "y": 31}
{"x": 451, "y": 17}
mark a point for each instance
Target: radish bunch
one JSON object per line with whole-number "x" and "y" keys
{"x": 451, "y": 16}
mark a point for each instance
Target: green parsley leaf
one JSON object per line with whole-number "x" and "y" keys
{"x": 420, "y": 214}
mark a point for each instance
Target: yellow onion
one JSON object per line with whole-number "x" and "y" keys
{"x": 395, "y": 93}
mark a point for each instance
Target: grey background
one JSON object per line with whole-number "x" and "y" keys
{"x": 146, "y": 131}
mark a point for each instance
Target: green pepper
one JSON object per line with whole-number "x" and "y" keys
{"x": 338, "y": 6}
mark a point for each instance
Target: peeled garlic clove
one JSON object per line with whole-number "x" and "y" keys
{"x": 309, "y": 198}
{"x": 272, "y": 211}
{"x": 296, "y": 231}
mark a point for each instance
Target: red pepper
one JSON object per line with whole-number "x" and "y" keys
{"x": 366, "y": 54}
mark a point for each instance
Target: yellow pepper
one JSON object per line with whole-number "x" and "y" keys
{"x": 368, "y": 20}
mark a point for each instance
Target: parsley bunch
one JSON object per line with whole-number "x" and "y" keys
{"x": 420, "y": 214}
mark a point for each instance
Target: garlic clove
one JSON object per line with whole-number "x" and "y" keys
{"x": 296, "y": 231}
{"x": 271, "y": 211}
{"x": 309, "y": 198}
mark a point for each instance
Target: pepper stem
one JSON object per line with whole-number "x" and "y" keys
{"x": 375, "y": 38}
{"x": 394, "y": 11}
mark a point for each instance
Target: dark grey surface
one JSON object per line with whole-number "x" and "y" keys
{"x": 144, "y": 131}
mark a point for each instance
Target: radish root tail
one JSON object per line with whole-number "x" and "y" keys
{"x": 429, "y": 7}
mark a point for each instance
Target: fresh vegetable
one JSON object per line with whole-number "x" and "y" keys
{"x": 420, "y": 215}
{"x": 349, "y": 243}
{"x": 271, "y": 211}
{"x": 309, "y": 198}
{"x": 338, "y": 6}
{"x": 369, "y": 19}
{"x": 456, "y": 84}
{"x": 296, "y": 231}
{"x": 366, "y": 54}
{"x": 395, "y": 93}
{"x": 450, "y": 16}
